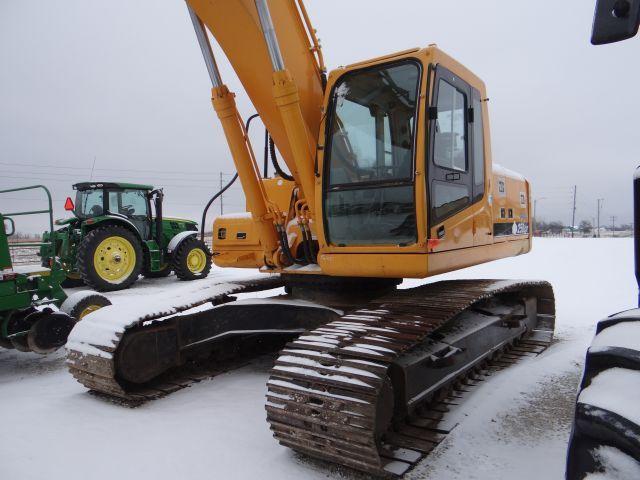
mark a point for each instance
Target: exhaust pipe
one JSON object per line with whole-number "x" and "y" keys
{"x": 636, "y": 226}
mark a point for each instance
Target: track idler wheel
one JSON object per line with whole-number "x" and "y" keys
{"x": 49, "y": 330}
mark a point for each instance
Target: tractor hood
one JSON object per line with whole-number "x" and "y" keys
{"x": 179, "y": 220}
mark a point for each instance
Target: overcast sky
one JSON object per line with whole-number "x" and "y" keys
{"x": 123, "y": 83}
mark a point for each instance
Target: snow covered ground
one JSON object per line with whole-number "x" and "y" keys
{"x": 515, "y": 425}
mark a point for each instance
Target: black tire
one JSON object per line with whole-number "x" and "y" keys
{"x": 87, "y": 249}
{"x": 594, "y": 426}
{"x": 181, "y": 257}
{"x": 84, "y": 305}
{"x": 165, "y": 272}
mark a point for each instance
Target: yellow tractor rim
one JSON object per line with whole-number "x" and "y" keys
{"x": 196, "y": 260}
{"x": 88, "y": 310}
{"x": 114, "y": 259}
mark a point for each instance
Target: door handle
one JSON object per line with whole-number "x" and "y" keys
{"x": 440, "y": 232}
{"x": 452, "y": 177}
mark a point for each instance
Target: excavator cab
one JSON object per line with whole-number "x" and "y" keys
{"x": 406, "y": 172}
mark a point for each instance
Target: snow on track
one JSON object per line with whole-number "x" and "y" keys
{"x": 102, "y": 327}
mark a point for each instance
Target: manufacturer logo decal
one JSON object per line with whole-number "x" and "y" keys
{"x": 520, "y": 228}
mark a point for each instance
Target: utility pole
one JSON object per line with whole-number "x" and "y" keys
{"x": 600, "y": 200}
{"x": 573, "y": 218}
{"x": 613, "y": 225}
{"x": 221, "y": 196}
{"x": 535, "y": 213}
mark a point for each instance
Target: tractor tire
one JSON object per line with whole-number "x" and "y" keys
{"x": 110, "y": 258}
{"x": 83, "y": 303}
{"x": 165, "y": 272}
{"x": 192, "y": 259}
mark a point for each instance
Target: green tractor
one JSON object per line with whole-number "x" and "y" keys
{"x": 35, "y": 313}
{"x": 113, "y": 237}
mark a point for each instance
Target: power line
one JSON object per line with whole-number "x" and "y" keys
{"x": 57, "y": 167}
{"x": 46, "y": 180}
{"x": 146, "y": 178}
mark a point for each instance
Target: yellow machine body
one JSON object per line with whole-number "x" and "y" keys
{"x": 493, "y": 225}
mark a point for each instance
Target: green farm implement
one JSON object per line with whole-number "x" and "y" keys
{"x": 118, "y": 232}
{"x": 35, "y": 313}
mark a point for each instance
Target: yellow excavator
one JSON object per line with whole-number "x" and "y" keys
{"x": 391, "y": 177}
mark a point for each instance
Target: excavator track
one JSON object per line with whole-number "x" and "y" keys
{"x": 336, "y": 393}
{"x": 94, "y": 365}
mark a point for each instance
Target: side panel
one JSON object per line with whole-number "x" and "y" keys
{"x": 236, "y": 242}
{"x": 172, "y": 227}
{"x": 419, "y": 265}
{"x": 511, "y": 206}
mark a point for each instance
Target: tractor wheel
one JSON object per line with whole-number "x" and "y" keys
{"x": 81, "y": 304}
{"x": 110, "y": 258}
{"x": 165, "y": 272}
{"x": 192, "y": 259}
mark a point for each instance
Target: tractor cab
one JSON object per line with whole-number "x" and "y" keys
{"x": 118, "y": 232}
{"x": 128, "y": 200}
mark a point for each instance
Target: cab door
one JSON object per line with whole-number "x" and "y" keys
{"x": 134, "y": 205}
{"x": 483, "y": 211}
{"x": 451, "y": 222}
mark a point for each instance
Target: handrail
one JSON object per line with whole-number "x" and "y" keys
{"x": 33, "y": 212}
{"x": 316, "y": 48}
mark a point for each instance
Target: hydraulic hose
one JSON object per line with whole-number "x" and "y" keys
{"x": 225, "y": 188}
{"x": 274, "y": 161}
{"x": 213, "y": 199}
{"x": 305, "y": 246}
{"x": 312, "y": 250}
{"x": 284, "y": 241}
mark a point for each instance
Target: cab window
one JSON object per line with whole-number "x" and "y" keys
{"x": 89, "y": 203}
{"x": 131, "y": 203}
{"x": 450, "y": 142}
